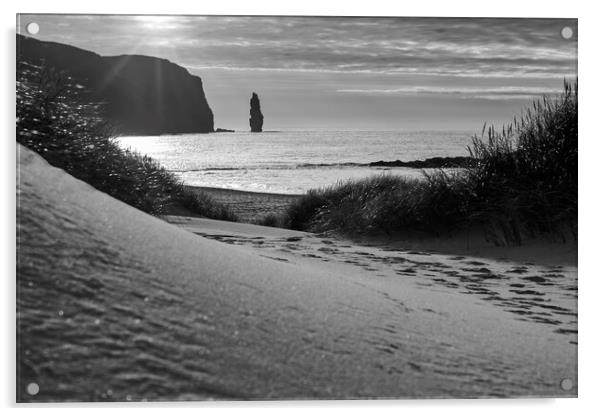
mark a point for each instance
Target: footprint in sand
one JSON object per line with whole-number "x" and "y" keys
{"x": 328, "y": 250}
{"x": 393, "y": 260}
{"x": 477, "y": 269}
{"x": 414, "y": 367}
{"x": 565, "y": 331}
{"x": 429, "y": 310}
{"x": 487, "y": 276}
{"x": 535, "y": 279}
{"x": 527, "y": 292}
{"x": 518, "y": 270}
{"x": 475, "y": 263}
{"x": 277, "y": 258}
{"x": 553, "y": 275}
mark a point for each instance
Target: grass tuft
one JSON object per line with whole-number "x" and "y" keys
{"x": 523, "y": 183}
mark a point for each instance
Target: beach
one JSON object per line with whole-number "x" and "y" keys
{"x": 248, "y": 206}
{"x": 252, "y": 207}
{"x": 115, "y": 304}
{"x": 296, "y": 208}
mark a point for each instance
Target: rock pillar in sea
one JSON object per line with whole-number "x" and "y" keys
{"x": 256, "y": 120}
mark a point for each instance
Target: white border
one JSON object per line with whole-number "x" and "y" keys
{"x": 589, "y": 202}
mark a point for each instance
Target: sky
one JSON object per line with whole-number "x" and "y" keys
{"x": 341, "y": 73}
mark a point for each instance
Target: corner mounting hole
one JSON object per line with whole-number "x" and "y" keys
{"x": 33, "y": 389}
{"x": 32, "y": 28}
{"x": 566, "y": 384}
{"x": 566, "y": 32}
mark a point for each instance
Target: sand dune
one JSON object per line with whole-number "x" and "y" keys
{"x": 114, "y": 304}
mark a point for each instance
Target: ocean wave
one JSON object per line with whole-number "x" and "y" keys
{"x": 278, "y": 167}
{"x": 429, "y": 163}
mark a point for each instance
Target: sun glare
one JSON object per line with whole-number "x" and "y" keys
{"x": 158, "y": 22}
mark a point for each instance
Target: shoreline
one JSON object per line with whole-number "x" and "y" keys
{"x": 248, "y": 206}
{"x": 216, "y": 190}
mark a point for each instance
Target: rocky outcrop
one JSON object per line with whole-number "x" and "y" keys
{"x": 141, "y": 94}
{"x": 256, "y": 120}
{"x": 430, "y": 163}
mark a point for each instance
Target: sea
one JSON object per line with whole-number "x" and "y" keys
{"x": 292, "y": 162}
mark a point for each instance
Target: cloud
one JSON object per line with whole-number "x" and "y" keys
{"x": 492, "y": 93}
{"x": 436, "y": 46}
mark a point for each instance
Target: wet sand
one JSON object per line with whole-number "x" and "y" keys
{"x": 249, "y": 206}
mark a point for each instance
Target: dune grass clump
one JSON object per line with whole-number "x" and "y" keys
{"x": 271, "y": 220}
{"x": 70, "y": 134}
{"x": 523, "y": 183}
{"x": 381, "y": 204}
{"x": 203, "y": 203}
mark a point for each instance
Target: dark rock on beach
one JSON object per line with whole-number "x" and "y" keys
{"x": 140, "y": 94}
{"x": 430, "y": 163}
{"x": 220, "y": 130}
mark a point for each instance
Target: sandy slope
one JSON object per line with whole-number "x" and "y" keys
{"x": 114, "y": 304}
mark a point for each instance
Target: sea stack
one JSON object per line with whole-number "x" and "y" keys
{"x": 256, "y": 120}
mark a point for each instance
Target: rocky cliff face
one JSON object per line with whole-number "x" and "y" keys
{"x": 142, "y": 94}
{"x": 256, "y": 120}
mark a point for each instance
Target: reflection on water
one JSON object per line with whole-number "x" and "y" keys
{"x": 292, "y": 162}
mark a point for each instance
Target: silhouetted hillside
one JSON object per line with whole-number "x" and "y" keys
{"x": 142, "y": 94}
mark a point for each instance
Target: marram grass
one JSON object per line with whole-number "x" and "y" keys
{"x": 72, "y": 135}
{"x": 523, "y": 184}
